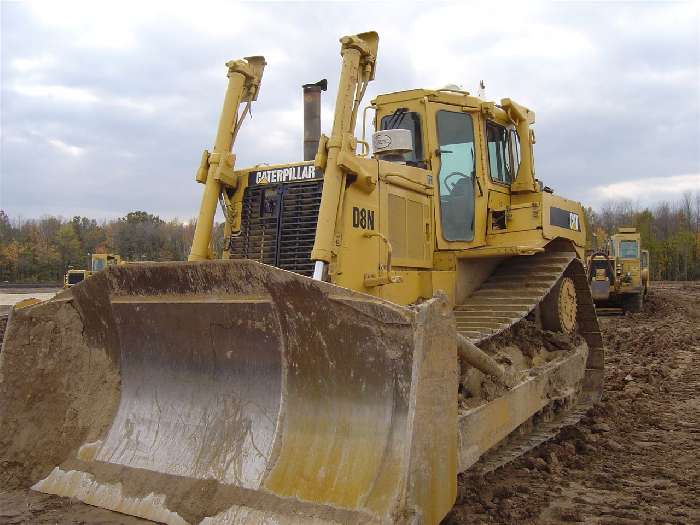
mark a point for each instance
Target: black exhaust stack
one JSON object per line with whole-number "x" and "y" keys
{"x": 312, "y": 117}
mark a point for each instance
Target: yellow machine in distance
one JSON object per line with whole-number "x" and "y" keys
{"x": 99, "y": 261}
{"x": 619, "y": 275}
{"x": 326, "y": 369}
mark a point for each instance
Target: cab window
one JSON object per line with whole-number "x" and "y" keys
{"x": 410, "y": 120}
{"x": 75, "y": 278}
{"x": 498, "y": 141}
{"x": 515, "y": 148}
{"x": 628, "y": 249}
{"x": 456, "y": 176}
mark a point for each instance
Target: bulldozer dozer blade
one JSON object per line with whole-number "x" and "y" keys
{"x": 232, "y": 392}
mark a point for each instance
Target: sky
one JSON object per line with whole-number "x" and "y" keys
{"x": 107, "y": 106}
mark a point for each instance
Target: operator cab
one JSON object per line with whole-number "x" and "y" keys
{"x": 445, "y": 130}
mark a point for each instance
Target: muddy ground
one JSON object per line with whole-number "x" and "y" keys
{"x": 633, "y": 459}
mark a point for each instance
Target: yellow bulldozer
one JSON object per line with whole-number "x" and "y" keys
{"x": 349, "y": 354}
{"x": 99, "y": 261}
{"x": 619, "y": 274}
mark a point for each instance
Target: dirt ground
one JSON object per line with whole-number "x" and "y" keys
{"x": 635, "y": 458}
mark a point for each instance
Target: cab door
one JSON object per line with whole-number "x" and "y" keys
{"x": 458, "y": 166}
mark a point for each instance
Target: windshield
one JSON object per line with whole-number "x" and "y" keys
{"x": 98, "y": 264}
{"x": 75, "y": 277}
{"x": 456, "y": 177}
{"x": 628, "y": 249}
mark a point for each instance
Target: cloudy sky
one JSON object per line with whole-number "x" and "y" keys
{"x": 107, "y": 106}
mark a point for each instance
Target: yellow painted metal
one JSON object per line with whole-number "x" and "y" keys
{"x": 98, "y": 262}
{"x": 501, "y": 251}
{"x": 522, "y": 118}
{"x": 405, "y": 198}
{"x": 243, "y": 83}
{"x": 627, "y": 280}
{"x": 359, "y": 55}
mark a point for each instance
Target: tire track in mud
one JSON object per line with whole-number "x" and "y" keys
{"x": 635, "y": 457}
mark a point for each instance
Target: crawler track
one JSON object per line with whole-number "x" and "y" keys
{"x": 631, "y": 459}
{"x": 514, "y": 290}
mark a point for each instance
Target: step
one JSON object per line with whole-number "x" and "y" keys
{"x": 489, "y": 309}
{"x": 525, "y": 283}
{"x": 497, "y": 300}
{"x": 524, "y": 276}
{"x": 530, "y": 293}
{"x": 544, "y": 267}
{"x": 484, "y": 318}
{"x": 481, "y": 325}
{"x": 515, "y": 313}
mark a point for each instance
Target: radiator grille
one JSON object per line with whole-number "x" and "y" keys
{"x": 278, "y": 225}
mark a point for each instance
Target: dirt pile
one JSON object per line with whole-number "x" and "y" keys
{"x": 634, "y": 458}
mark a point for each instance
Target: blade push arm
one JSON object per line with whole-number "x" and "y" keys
{"x": 243, "y": 84}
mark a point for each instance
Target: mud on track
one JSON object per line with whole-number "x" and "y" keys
{"x": 636, "y": 457}
{"x": 633, "y": 459}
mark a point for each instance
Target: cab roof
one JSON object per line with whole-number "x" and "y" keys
{"x": 445, "y": 96}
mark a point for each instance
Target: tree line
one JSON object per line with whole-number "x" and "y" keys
{"x": 41, "y": 250}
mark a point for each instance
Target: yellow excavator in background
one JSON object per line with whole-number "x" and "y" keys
{"x": 99, "y": 261}
{"x": 619, "y": 275}
{"x": 351, "y": 352}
